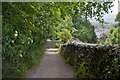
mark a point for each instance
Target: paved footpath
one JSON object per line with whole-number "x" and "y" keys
{"x": 52, "y": 66}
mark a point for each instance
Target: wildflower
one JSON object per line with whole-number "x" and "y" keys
{"x": 22, "y": 42}
{"x": 115, "y": 59}
{"x": 12, "y": 41}
{"x": 31, "y": 41}
{"x": 16, "y": 34}
{"x": 20, "y": 50}
{"x": 109, "y": 72}
{"x": 21, "y": 55}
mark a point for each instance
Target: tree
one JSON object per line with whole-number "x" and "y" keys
{"x": 84, "y": 30}
{"x": 64, "y": 36}
{"x": 118, "y": 17}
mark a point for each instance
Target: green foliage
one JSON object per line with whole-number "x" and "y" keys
{"x": 116, "y": 67}
{"x": 18, "y": 70}
{"x": 118, "y": 17}
{"x": 82, "y": 71}
{"x": 59, "y": 25}
{"x": 61, "y": 54}
{"x": 56, "y": 45}
{"x": 67, "y": 60}
{"x": 78, "y": 10}
{"x": 89, "y": 9}
{"x": 84, "y": 31}
{"x": 119, "y": 35}
{"x": 64, "y": 36}
{"x": 21, "y": 36}
{"x": 112, "y": 36}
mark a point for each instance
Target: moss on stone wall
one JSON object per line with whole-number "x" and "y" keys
{"x": 92, "y": 61}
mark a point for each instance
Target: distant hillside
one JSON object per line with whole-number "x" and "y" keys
{"x": 109, "y": 18}
{"x": 100, "y": 26}
{"x": 100, "y": 31}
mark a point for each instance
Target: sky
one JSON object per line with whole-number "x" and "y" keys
{"x": 115, "y": 7}
{"x": 110, "y": 18}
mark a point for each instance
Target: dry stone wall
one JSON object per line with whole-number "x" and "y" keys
{"x": 92, "y": 60}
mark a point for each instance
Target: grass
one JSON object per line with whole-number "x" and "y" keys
{"x": 60, "y": 53}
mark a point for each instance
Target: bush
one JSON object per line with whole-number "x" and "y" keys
{"x": 112, "y": 36}
{"x": 84, "y": 31}
{"x": 22, "y": 40}
{"x": 56, "y": 45}
{"x": 26, "y": 62}
{"x": 64, "y": 36}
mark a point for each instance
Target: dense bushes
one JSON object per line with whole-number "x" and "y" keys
{"x": 113, "y": 35}
{"x": 25, "y": 63}
{"x": 22, "y": 39}
{"x": 92, "y": 61}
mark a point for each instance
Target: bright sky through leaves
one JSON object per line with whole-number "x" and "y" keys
{"x": 110, "y": 18}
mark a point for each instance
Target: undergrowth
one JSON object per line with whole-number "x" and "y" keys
{"x": 25, "y": 64}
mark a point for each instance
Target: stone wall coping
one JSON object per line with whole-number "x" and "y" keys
{"x": 87, "y": 44}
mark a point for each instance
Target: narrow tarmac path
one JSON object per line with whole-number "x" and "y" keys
{"x": 52, "y": 66}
